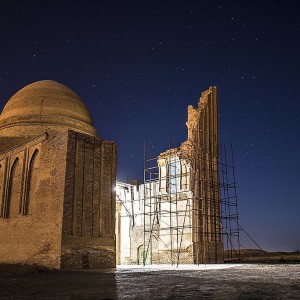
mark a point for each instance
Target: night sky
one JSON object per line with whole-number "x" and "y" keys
{"x": 137, "y": 65}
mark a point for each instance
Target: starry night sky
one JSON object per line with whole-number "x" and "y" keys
{"x": 137, "y": 65}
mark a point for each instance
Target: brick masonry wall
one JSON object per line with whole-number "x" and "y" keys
{"x": 89, "y": 206}
{"x": 34, "y": 238}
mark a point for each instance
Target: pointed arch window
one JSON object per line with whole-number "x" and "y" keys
{"x": 174, "y": 174}
{"x": 14, "y": 189}
{"x": 1, "y": 190}
{"x": 31, "y": 182}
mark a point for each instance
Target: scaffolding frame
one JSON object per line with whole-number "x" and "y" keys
{"x": 229, "y": 205}
{"x": 161, "y": 210}
{"x": 199, "y": 209}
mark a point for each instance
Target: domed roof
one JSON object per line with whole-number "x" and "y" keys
{"x": 47, "y": 102}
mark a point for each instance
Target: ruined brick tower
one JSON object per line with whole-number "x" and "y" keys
{"x": 202, "y": 142}
{"x": 198, "y": 172}
{"x": 57, "y": 179}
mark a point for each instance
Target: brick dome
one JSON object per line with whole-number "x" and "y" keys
{"x": 45, "y": 106}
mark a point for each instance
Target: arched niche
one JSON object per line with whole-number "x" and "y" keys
{"x": 32, "y": 182}
{"x": 13, "y": 200}
{"x": 1, "y": 187}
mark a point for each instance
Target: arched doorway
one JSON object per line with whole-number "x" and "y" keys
{"x": 143, "y": 254}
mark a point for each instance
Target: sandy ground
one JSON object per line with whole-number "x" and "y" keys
{"x": 227, "y": 281}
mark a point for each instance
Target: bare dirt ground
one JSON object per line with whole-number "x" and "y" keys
{"x": 223, "y": 281}
{"x": 259, "y": 256}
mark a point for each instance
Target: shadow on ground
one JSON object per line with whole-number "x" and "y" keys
{"x": 188, "y": 282}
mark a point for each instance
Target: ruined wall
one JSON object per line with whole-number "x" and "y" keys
{"x": 31, "y": 200}
{"x": 139, "y": 253}
{"x": 89, "y": 205}
{"x": 130, "y": 200}
{"x": 157, "y": 248}
{"x": 184, "y": 202}
{"x": 202, "y": 144}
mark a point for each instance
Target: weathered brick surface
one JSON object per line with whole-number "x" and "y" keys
{"x": 6, "y": 143}
{"x": 97, "y": 189}
{"x": 68, "y": 169}
{"x": 90, "y": 175}
{"x": 35, "y": 237}
{"x": 44, "y": 106}
{"x": 203, "y": 135}
{"x": 155, "y": 247}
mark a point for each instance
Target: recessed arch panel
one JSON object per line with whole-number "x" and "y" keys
{"x": 32, "y": 182}
{"x": 14, "y": 189}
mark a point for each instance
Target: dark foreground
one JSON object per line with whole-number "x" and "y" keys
{"x": 198, "y": 282}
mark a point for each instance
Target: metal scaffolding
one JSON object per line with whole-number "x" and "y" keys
{"x": 167, "y": 216}
{"x": 229, "y": 206}
{"x": 180, "y": 213}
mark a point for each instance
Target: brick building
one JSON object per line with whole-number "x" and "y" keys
{"x": 57, "y": 201}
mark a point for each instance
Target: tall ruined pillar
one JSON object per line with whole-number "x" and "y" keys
{"x": 203, "y": 143}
